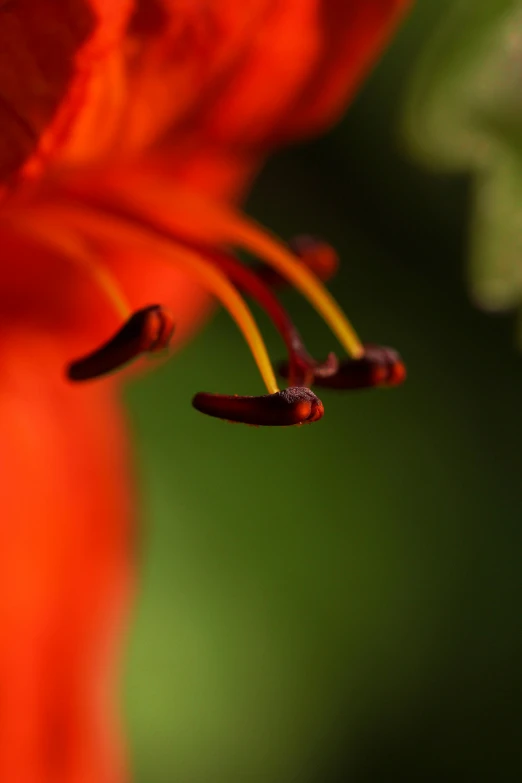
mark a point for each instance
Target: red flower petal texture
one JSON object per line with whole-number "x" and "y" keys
{"x": 65, "y": 569}
{"x": 49, "y": 54}
{"x": 110, "y": 110}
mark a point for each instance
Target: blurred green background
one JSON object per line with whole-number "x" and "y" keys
{"x": 340, "y": 602}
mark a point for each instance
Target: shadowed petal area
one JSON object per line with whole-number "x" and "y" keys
{"x": 216, "y": 136}
{"x": 52, "y": 53}
{"x": 317, "y": 51}
{"x": 353, "y": 34}
{"x": 194, "y": 80}
{"x": 65, "y": 557}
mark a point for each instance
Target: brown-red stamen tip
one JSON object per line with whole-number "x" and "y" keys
{"x": 320, "y": 257}
{"x": 295, "y": 405}
{"x": 147, "y": 330}
{"x": 378, "y": 367}
{"x": 316, "y": 254}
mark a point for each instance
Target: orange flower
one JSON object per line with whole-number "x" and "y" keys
{"x": 129, "y": 129}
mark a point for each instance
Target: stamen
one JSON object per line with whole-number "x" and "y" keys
{"x": 320, "y": 258}
{"x": 379, "y": 367}
{"x": 147, "y": 330}
{"x": 302, "y": 367}
{"x": 174, "y": 238}
{"x": 194, "y": 218}
{"x": 103, "y": 227}
{"x": 253, "y": 238}
{"x": 295, "y": 405}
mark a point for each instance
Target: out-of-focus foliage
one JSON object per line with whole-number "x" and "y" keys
{"x": 340, "y": 602}
{"x": 465, "y": 113}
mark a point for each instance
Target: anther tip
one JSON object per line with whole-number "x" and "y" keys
{"x": 158, "y": 328}
{"x": 398, "y": 374}
{"x": 316, "y": 254}
{"x": 147, "y": 330}
{"x": 316, "y": 412}
{"x": 378, "y": 367}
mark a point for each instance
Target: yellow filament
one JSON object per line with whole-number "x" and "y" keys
{"x": 189, "y": 215}
{"x": 71, "y": 248}
{"x": 253, "y": 238}
{"x": 108, "y": 228}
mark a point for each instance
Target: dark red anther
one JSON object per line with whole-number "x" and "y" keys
{"x": 147, "y": 330}
{"x": 378, "y": 367}
{"x": 295, "y": 405}
{"x": 320, "y": 257}
{"x": 316, "y": 254}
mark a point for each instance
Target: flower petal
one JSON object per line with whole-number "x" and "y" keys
{"x": 353, "y": 34}
{"x": 65, "y": 555}
{"x": 222, "y": 61}
{"x": 196, "y": 79}
{"x": 316, "y": 52}
{"x": 50, "y": 53}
